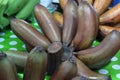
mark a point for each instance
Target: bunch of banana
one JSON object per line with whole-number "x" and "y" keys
{"x": 107, "y": 16}
{"x": 22, "y": 9}
{"x": 69, "y": 50}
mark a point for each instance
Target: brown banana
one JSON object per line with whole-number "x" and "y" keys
{"x": 18, "y": 57}
{"x": 58, "y": 16}
{"x": 97, "y": 57}
{"x": 36, "y": 65}
{"x": 28, "y": 34}
{"x": 87, "y": 26}
{"x": 101, "y": 5}
{"x": 70, "y": 22}
{"x": 105, "y": 30}
{"x": 111, "y": 16}
{"x": 7, "y": 68}
{"x": 84, "y": 73}
{"x": 47, "y": 23}
{"x": 66, "y": 71}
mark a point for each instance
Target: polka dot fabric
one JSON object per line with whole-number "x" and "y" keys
{"x": 9, "y": 41}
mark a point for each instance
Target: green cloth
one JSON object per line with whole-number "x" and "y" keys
{"x": 9, "y": 41}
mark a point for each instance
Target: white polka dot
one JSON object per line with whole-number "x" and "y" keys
{"x": 2, "y": 34}
{"x": 13, "y": 36}
{"x": 116, "y": 67}
{"x": 39, "y": 30}
{"x": 11, "y": 31}
{"x": 118, "y": 75}
{"x": 2, "y": 39}
{"x": 13, "y": 43}
{"x": 1, "y": 46}
{"x": 23, "y": 46}
{"x": 103, "y": 71}
{"x": 12, "y": 48}
{"x": 36, "y": 24}
{"x": 114, "y": 59}
{"x": 94, "y": 42}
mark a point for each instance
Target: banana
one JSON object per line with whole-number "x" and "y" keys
{"x": 18, "y": 57}
{"x": 111, "y": 16}
{"x": 62, "y": 3}
{"x": 27, "y": 9}
{"x": 70, "y": 22}
{"x": 97, "y": 57}
{"x": 3, "y": 20}
{"x": 28, "y": 34}
{"x": 84, "y": 72}
{"x": 36, "y": 64}
{"x": 58, "y": 16}
{"x": 47, "y": 23}
{"x": 101, "y": 5}
{"x": 66, "y": 71}
{"x": 7, "y": 68}
{"x": 105, "y": 30}
{"x": 15, "y": 6}
{"x": 87, "y": 26}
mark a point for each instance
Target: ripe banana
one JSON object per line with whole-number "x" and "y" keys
{"x": 87, "y": 26}
{"x": 97, "y": 57}
{"x": 28, "y": 34}
{"x": 66, "y": 71}
{"x": 105, "y": 30}
{"x": 7, "y": 68}
{"x": 36, "y": 64}
{"x": 101, "y": 5}
{"x": 111, "y": 16}
{"x": 3, "y": 20}
{"x": 27, "y": 9}
{"x": 47, "y": 23}
{"x": 18, "y": 57}
{"x": 63, "y": 3}
{"x": 58, "y": 16}
{"x": 84, "y": 72}
{"x": 70, "y": 22}
{"x": 15, "y": 6}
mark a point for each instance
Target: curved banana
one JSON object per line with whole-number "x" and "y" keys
{"x": 111, "y": 16}
{"x": 47, "y": 23}
{"x": 58, "y": 16}
{"x": 18, "y": 57}
{"x": 3, "y": 20}
{"x": 84, "y": 72}
{"x": 7, "y": 68}
{"x": 36, "y": 64}
{"x": 15, "y": 6}
{"x": 97, "y": 57}
{"x": 28, "y": 34}
{"x": 87, "y": 26}
{"x": 70, "y": 22}
{"x": 105, "y": 30}
{"x": 101, "y": 5}
{"x": 66, "y": 71}
{"x": 27, "y": 9}
{"x": 63, "y": 3}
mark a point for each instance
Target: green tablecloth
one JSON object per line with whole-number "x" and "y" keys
{"x": 9, "y": 41}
